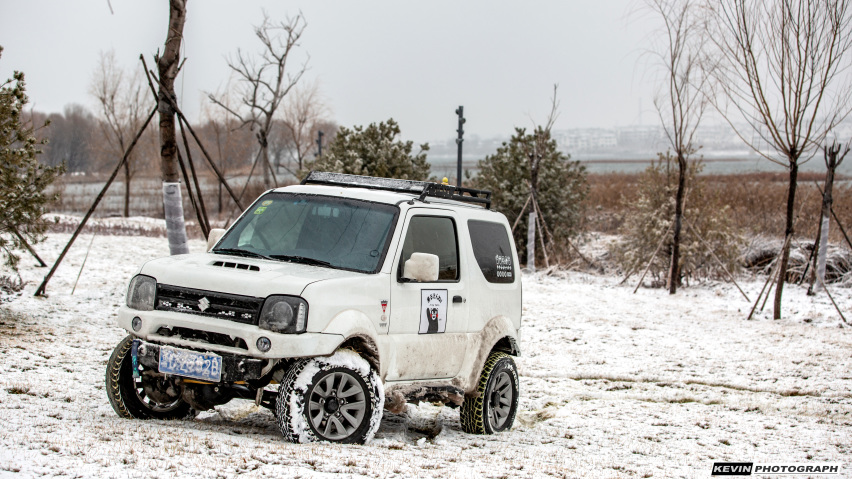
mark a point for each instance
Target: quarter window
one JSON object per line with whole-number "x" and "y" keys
{"x": 492, "y": 250}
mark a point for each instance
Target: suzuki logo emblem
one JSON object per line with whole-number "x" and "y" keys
{"x": 203, "y": 304}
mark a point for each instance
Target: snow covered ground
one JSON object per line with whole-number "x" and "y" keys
{"x": 613, "y": 384}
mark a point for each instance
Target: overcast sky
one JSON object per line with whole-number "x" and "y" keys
{"x": 413, "y": 61}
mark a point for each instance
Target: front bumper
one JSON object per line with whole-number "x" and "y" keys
{"x": 234, "y": 368}
{"x": 283, "y": 345}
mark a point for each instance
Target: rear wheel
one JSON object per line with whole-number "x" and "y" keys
{"x": 335, "y": 399}
{"x": 494, "y": 407}
{"x": 149, "y": 396}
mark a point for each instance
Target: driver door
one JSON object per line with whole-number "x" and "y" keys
{"x": 428, "y": 321}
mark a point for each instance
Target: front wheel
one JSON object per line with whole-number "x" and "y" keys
{"x": 337, "y": 399}
{"x": 494, "y": 407}
{"x": 148, "y": 396}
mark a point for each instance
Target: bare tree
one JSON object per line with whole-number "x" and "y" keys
{"x": 264, "y": 82}
{"x": 682, "y": 99}
{"x": 168, "y": 66}
{"x": 833, "y": 156}
{"x": 534, "y": 155}
{"x": 124, "y": 102}
{"x": 784, "y": 70}
{"x": 230, "y": 141}
{"x": 304, "y": 114}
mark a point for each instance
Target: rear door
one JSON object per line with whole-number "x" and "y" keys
{"x": 428, "y": 321}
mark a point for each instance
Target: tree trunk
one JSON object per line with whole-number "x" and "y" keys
{"x": 531, "y": 239}
{"x": 788, "y": 234}
{"x": 167, "y": 66}
{"x": 270, "y": 169}
{"x": 674, "y": 276}
{"x": 812, "y": 260}
{"x": 831, "y": 165}
{"x": 264, "y": 157}
{"x": 127, "y": 188}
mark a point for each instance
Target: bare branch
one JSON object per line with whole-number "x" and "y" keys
{"x": 264, "y": 80}
{"x": 784, "y": 71}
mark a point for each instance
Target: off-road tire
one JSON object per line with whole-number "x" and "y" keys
{"x": 498, "y": 382}
{"x": 311, "y": 384}
{"x": 126, "y": 395}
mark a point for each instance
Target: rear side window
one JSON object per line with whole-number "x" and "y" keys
{"x": 492, "y": 250}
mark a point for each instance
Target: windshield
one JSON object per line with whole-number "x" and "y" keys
{"x": 321, "y": 230}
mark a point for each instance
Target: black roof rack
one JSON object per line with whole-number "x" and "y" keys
{"x": 420, "y": 188}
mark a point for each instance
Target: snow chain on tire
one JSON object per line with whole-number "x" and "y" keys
{"x": 113, "y": 376}
{"x": 474, "y": 411}
{"x": 120, "y": 388}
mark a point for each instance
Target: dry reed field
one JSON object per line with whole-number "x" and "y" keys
{"x": 757, "y": 201}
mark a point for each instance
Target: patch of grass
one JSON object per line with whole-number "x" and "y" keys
{"x": 798, "y": 392}
{"x": 10, "y": 285}
{"x": 20, "y": 389}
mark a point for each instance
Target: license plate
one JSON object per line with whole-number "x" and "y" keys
{"x": 190, "y": 364}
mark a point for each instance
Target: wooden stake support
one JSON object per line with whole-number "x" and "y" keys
{"x": 710, "y": 250}
{"x": 521, "y": 213}
{"x": 651, "y": 259}
{"x": 181, "y": 117}
{"x": 772, "y": 272}
{"x": 41, "y": 289}
{"x": 824, "y": 287}
{"x": 195, "y": 180}
{"x": 200, "y": 218}
{"x": 29, "y": 248}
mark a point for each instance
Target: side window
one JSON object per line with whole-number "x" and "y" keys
{"x": 435, "y": 235}
{"x": 492, "y": 250}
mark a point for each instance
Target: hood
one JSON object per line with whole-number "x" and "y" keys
{"x": 237, "y": 275}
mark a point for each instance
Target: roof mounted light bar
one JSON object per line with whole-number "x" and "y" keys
{"x": 422, "y": 189}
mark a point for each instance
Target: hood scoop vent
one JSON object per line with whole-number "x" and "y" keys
{"x": 228, "y": 264}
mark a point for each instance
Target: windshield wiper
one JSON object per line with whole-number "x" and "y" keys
{"x": 239, "y": 252}
{"x": 302, "y": 260}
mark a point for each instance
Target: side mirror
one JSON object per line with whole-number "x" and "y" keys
{"x": 214, "y": 237}
{"x": 421, "y": 267}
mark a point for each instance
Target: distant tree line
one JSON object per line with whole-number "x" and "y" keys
{"x": 76, "y": 137}
{"x": 82, "y": 142}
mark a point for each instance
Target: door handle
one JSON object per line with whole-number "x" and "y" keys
{"x": 457, "y": 299}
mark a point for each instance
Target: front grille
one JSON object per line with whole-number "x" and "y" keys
{"x": 242, "y": 309}
{"x": 203, "y": 337}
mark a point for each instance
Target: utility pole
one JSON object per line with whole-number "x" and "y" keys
{"x": 459, "y": 140}
{"x": 319, "y": 143}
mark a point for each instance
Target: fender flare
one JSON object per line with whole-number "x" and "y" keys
{"x": 498, "y": 334}
{"x": 359, "y": 334}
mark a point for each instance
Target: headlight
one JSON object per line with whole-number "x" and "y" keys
{"x": 284, "y": 314}
{"x": 141, "y": 293}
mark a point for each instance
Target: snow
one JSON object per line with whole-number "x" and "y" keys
{"x": 343, "y": 358}
{"x": 613, "y": 384}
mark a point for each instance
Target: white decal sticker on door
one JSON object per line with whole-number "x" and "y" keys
{"x": 433, "y": 311}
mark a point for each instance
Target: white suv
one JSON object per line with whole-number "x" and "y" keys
{"x": 328, "y": 302}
